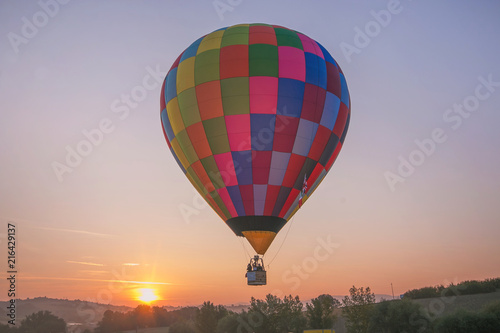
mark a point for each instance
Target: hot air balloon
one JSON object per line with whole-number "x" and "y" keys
{"x": 255, "y": 115}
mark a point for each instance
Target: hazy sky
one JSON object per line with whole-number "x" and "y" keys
{"x": 418, "y": 71}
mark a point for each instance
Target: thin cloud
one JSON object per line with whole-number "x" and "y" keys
{"x": 93, "y": 280}
{"x": 92, "y": 272}
{"x": 84, "y": 263}
{"x": 84, "y": 232}
{"x": 130, "y": 264}
{"x": 30, "y": 223}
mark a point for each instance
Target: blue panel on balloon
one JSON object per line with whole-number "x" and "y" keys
{"x": 171, "y": 89}
{"x": 243, "y": 166}
{"x": 235, "y": 195}
{"x": 191, "y": 50}
{"x": 262, "y": 128}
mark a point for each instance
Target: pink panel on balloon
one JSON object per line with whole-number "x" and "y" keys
{"x": 310, "y": 46}
{"x": 238, "y": 132}
{"x": 263, "y": 94}
{"x": 292, "y": 63}
{"x": 224, "y": 195}
{"x": 225, "y": 164}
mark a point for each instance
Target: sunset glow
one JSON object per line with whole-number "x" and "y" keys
{"x": 105, "y": 213}
{"x": 146, "y": 295}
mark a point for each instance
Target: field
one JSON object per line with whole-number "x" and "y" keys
{"x": 440, "y": 306}
{"x": 445, "y": 305}
{"x": 149, "y": 330}
{"x": 436, "y": 306}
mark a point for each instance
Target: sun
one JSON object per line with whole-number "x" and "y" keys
{"x": 146, "y": 295}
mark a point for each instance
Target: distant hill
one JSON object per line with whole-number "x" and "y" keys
{"x": 77, "y": 311}
{"x": 239, "y": 307}
{"x": 74, "y": 312}
{"x": 83, "y": 314}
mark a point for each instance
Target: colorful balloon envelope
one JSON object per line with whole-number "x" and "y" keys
{"x": 255, "y": 115}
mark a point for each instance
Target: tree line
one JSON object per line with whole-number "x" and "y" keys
{"x": 469, "y": 287}
{"x": 288, "y": 314}
{"x": 39, "y": 322}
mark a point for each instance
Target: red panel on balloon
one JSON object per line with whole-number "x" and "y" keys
{"x": 247, "y": 197}
{"x": 294, "y": 166}
{"x": 198, "y": 138}
{"x": 233, "y": 61}
{"x": 341, "y": 120}
{"x": 261, "y": 162}
{"x": 262, "y": 34}
{"x": 271, "y": 196}
{"x": 209, "y": 100}
{"x": 288, "y": 203}
{"x": 224, "y": 195}
{"x": 285, "y": 131}
{"x": 225, "y": 164}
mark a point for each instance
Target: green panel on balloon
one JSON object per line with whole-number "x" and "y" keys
{"x": 188, "y": 106}
{"x": 287, "y": 37}
{"x": 235, "y": 36}
{"x": 197, "y": 180}
{"x": 213, "y": 171}
{"x": 235, "y": 97}
{"x": 187, "y": 147}
{"x": 252, "y": 199}
{"x": 206, "y": 66}
{"x": 220, "y": 203}
{"x": 263, "y": 60}
{"x": 216, "y": 132}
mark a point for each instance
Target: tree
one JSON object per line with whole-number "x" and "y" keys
{"x": 115, "y": 321}
{"x": 182, "y": 327}
{"x": 43, "y": 322}
{"x": 320, "y": 312}
{"x": 291, "y": 316}
{"x": 229, "y": 324}
{"x": 275, "y": 315}
{"x": 7, "y": 329}
{"x": 399, "y": 316}
{"x": 143, "y": 316}
{"x": 208, "y": 316}
{"x": 468, "y": 322}
{"x": 358, "y": 309}
{"x": 241, "y": 322}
